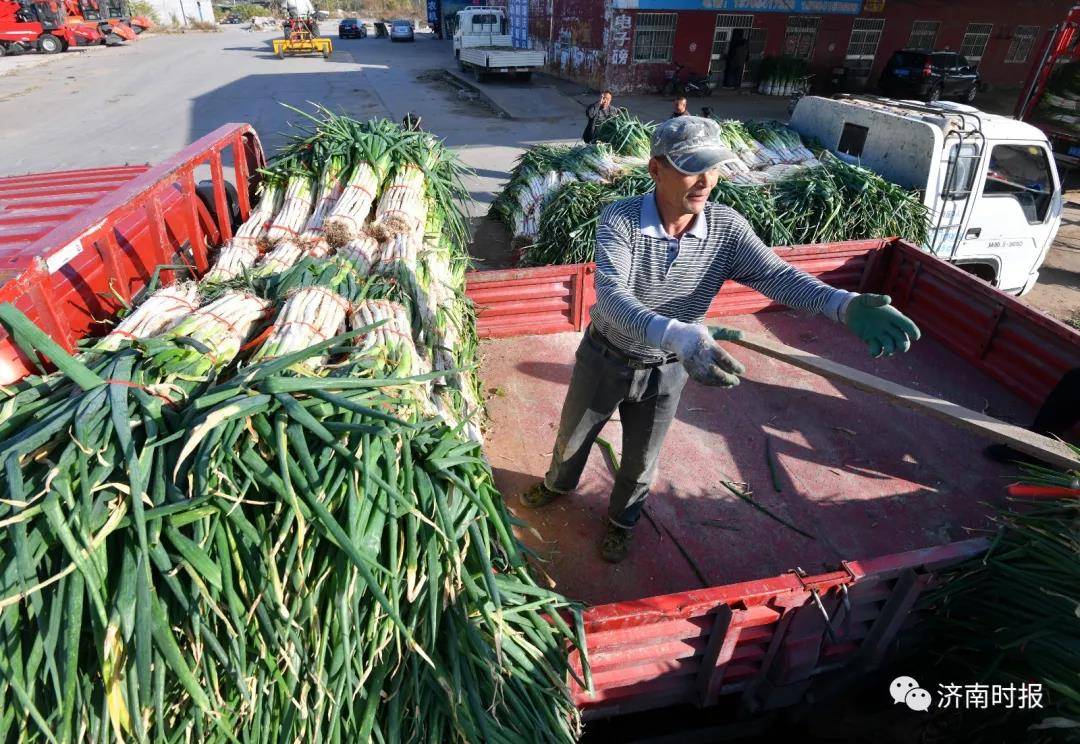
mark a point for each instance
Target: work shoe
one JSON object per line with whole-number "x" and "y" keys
{"x": 539, "y": 495}
{"x": 616, "y": 543}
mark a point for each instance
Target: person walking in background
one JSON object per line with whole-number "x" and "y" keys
{"x": 597, "y": 113}
{"x": 737, "y": 55}
{"x": 680, "y": 108}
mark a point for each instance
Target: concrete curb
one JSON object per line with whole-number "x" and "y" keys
{"x": 461, "y": 78}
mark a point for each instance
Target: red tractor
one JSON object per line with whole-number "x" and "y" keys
{"x": 113, "y": 19}
{"x": 26, "y": 25}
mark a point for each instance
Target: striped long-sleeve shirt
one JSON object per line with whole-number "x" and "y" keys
{"x": 644, "y": 277}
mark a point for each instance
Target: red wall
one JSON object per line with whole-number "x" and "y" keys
{"x": 573, "y": 32}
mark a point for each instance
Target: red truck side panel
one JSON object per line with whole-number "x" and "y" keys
{"x": 97, "y": 236}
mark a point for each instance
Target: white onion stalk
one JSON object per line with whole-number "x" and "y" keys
{"x": 223, "y": 325}
{"x": 350, "y": 212}
{"x": 154, "y": 315}
{"x": 294, "y": 212}
{"x": 308, "y": 317}
{"x": 243, "y": 249}
{"x": 402, "y": 207}
{"x": 393, "y": 350}
{"x": 363, "y": 252}
{"x": 329, "y": 191}
{"x": 285, "y": 254}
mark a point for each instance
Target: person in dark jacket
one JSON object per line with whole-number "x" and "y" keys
{"x": 597, "y": 113}
{"x": 680, "y": 108}
{"x": 738, "y": 53}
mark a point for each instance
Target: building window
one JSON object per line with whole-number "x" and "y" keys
{"x": 801, "y": 35}
{"x": 975, "y": 39}
{"x": 923, "y": 35}
{"x": 654, "y": 37}
{"x": 865, "y": 36}
{"x": 1022, "y": 41}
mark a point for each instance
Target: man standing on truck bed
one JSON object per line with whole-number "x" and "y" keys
{"x": 660, "y": 260}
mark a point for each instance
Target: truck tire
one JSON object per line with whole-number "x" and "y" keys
{"x": 205, "y": 192}
{"x": 49, "y": 44}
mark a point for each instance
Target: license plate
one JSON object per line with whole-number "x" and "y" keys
{"x": 902, "y": 73}
{"x": 1074, "y": 151}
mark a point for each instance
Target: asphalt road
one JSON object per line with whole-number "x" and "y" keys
{"x": 146, "y": 100}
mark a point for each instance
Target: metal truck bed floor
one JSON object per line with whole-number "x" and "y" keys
{"x": 864, "y": 477}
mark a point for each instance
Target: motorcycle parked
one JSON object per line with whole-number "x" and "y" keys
{"x": 694, "y": 83}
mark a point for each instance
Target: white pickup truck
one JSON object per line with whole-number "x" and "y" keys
{"x": 989, "y": 181}
{"x": 482, "y": 45}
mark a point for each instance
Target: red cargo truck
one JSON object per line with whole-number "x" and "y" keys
{"x": 864, "y": 501}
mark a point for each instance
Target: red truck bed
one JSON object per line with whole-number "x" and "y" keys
{"x": 707, "y": 604}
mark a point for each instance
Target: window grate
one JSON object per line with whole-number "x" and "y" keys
{"x": 654, "y": 37}
{"x": 862, "y": 48}
{"x": 735, "y": 21}
{"x": 801, "y": 36}
{"x": 923, "y": 34}
{"x": 975, "y": 40}
{"x": 1022, "y": 42}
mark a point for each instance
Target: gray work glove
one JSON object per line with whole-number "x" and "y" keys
{"x": 701, "y": 355}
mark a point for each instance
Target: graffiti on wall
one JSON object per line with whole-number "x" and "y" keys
{"x": 573, "y": 51}
{"x": 620, "y": 40}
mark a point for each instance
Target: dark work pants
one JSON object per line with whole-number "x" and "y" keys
{"x": 646, "y": 400}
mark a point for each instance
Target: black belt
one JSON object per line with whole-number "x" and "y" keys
{"x": 611, "y": 351}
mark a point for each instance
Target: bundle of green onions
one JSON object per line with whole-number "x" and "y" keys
{"x": 241, "y": 253}
{"x": 212, "y": 535}
{"x": 781, "y": 139}
{"x": 154, "y": 315}
{"x": 540, "y": 171}
{"x": 626, "y": 135}
{"x": 330, "y": 188}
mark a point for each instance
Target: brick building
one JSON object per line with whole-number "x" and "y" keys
{"x": 629, "y": 45}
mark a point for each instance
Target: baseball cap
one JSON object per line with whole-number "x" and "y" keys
{"x": 691, "y": 143}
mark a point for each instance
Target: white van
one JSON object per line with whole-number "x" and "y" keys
{"x": 989, "y": 181}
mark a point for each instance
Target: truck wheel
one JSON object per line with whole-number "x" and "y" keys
{"x": 49, "y": 44}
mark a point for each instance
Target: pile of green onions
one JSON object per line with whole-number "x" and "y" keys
{"x": 270, "y": 519}
{"x": 831, "y": 201}
{"x": 1010, "y": 616}
{"x": 540, "y": 171}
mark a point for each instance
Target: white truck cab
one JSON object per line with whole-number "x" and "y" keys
{"x": 989, "y": 182}
{"x": 484, "y": 46}
{"x": 481, "y": 26}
